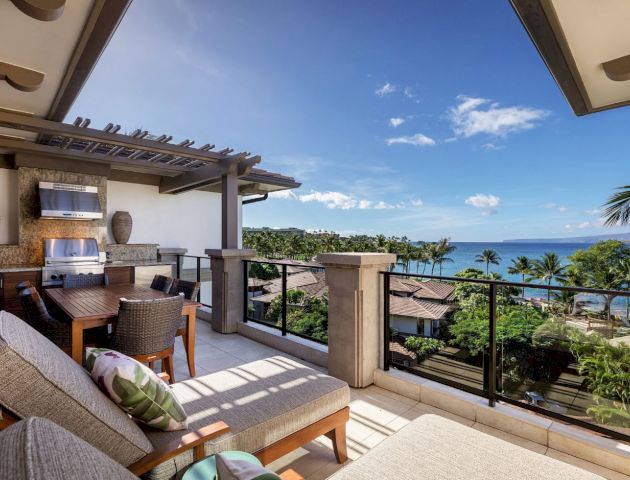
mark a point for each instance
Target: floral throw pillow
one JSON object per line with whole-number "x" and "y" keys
{"x": 136, "y": 389}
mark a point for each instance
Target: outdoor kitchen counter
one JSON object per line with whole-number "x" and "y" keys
{"x": 137, "y": 263}
{"x": 19, "y": 268}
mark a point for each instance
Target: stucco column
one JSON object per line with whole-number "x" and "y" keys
{"x": 229, "y": 211}
{"x": 227, "y": 287}
{"x": 354, "y": 314}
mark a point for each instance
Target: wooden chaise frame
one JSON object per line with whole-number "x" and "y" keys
{"x": 333, "y": 426}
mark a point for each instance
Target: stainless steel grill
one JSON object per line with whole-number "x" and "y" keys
{"x": 70, "y": 256}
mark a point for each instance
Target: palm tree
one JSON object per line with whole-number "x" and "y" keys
{"x": 617, "y": 208}
{"x": 547, "y": 268}
{"x": 521, "y": 266}
{"x": 437, "y": 253}
{"x": 422, "y": 256}
{"x": 488, "y": 257}
{"x": 405, "y": 255}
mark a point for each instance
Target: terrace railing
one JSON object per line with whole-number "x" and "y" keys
{"x": 283, "y": 296}
{"x": 565, "y": 354}
{"x": 197, "y": 269}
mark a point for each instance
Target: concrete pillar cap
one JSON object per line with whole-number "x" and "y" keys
{"x": 231, "y": 252}
{"x": 356, "y": 259}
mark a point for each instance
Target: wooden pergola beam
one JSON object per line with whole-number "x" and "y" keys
{"x": 120, "y": 162}
{"x": 192, "y": 179}
{"x": 238, "y": 165}
{"x": 47, "y": 127}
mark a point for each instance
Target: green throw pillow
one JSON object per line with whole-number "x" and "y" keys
{"x": 136, "y": 389}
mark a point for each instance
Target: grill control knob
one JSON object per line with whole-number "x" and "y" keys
{"x": 53, "y": 277}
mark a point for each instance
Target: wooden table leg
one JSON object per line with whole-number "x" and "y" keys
{"x": 77, "y": 342}
{"x": 189, "y": 338}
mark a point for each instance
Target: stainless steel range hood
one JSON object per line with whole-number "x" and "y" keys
{"x": 70, "y": 202}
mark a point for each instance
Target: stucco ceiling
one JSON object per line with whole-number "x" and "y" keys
{"x": 46, "y": 47}
{"x": 596, "y": 31}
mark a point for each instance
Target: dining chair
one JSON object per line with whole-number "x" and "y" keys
{"x": 37, "y": 316}
{"x": 162, "y": 283}
{"x": 190, "y": 291}
{"x": 146, "y": 330}
{"x": 86, "y": 281}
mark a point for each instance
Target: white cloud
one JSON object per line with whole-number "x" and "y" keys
{"x": 418, "y": 139}
{"x": 337, "y": 200}
{"x": 594, "y": 211}
{"x": 284, "y": 194}
{"x": 409, "y": 92}
{"x": 385, "y": 89}
{"x": 450, "y": 140}
{"x": 488, "y": 202}
{"x": 330, "y": 199}
{"x": 562, "y": 208}
{"x": 383, "y": 206}
{"x": 416, "y": 202}
{"x": 468, "y": 119}
{"x": 396, "y": 122}
{"x": 489, "y": 147}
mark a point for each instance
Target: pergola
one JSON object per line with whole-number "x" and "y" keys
{"x": 140, "y": 158}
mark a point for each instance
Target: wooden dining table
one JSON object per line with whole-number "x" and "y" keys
{"x": 98, "y": 306}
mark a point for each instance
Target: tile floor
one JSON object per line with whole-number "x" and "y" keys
{"x": 375, "y": 413}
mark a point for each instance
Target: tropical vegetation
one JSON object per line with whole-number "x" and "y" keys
{"x": 617, "y": 208}
{"x": 423, "y": 346}
{"x": 306, "y": 315}
{"x": 488, "y": 257}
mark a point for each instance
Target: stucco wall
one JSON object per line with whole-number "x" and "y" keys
{"x": 190, "y": 220}
{"x": 404, "y": 324}
{"x": 8, "y": 207}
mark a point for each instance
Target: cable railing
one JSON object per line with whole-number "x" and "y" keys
{"x": 564, "y": 353}
{"x": 291, "y": 297}
{"x": 197, "y": 269}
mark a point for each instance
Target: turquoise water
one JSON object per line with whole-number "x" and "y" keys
{"x": 464, "y": 257}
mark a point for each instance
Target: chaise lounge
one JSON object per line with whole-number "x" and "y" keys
{"x": 430, "y": 447}
{"x": 268, "y": 407}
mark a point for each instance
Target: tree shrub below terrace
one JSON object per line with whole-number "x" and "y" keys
{"x": 516, "y": 325}
{"x": 423, "y": 347}
{"x": 263, "y": 271}
{"x": 306, "y": 315}
{"x": 605, "y": 366}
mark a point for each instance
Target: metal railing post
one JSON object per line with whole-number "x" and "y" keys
{"x": 199, "y": 278}
{"x": 284, "y": 300}
{"x": 178, "y": 267}
{"x": 387, "y": 331}
{"x": 492, "y": 348}
{"x": 245, "y": 291}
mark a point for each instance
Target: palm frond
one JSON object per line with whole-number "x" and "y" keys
{"x": 617, "y": 208}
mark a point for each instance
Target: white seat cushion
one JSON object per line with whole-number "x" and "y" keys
{"x": 262, "y": 402}
{"x": 434, "y": 448}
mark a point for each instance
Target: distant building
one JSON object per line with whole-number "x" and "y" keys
{"x": 290, "y": 230}
{"x": 420, "y": 308}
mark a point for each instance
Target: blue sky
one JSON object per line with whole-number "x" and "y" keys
{"x": 417, "y": 118}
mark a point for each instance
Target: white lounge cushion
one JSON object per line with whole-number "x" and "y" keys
{"x": 434, "y": 448}
{"x": 262, "y": 402}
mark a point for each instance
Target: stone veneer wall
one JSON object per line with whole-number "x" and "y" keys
{"x": 132, "y": 252}
{"x": 33, "y": 230}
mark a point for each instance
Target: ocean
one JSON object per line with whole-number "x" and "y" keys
{"x": 464, "y": 257}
